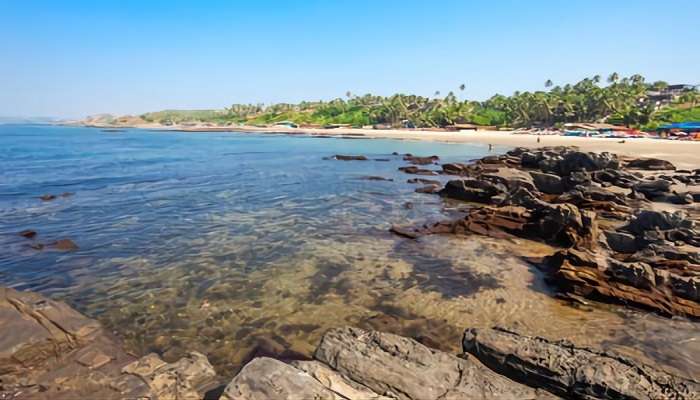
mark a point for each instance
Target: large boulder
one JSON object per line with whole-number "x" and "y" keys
{"x": 547, "y": 183}
{"x": 472, "y": 190}
{"x": 650, "y": 164}
{"x": 269, "y": 379}
{"x": 579, "y": 161}
{"x": 646, "y": 279}
{"x": 652, "y": 189}
{"x": 510, "y": 178}
{"x": 573, "y": 372}
{"x": 647, "y": 220}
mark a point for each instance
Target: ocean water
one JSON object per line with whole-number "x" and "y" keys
{"x": 241, "y": 244}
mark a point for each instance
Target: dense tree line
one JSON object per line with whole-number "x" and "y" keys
{"x": 620, "y": 100}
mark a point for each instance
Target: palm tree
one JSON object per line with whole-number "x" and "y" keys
{"x": 614, "y": 77}
{"x": 548, "y": 83}
{"x": 462, "y": 87}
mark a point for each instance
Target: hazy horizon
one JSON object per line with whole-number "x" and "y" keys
{"x": 80, "y": 58}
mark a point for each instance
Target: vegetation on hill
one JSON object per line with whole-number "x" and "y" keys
{"x": 619, "y": 100}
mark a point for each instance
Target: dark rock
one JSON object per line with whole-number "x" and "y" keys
{"x": 47, "y": 197}
{"x": 647, "y": 220}
{"x": 349, "y": 158}
{"x": 472, "y": 190}
{"x": 423, "y": 181}
{"x": 29, "y": 234}
{"x": 547, "y": 183}
{"x": 417, "y": 171}
{"x": 681, "y": 198}
{"x": 570, "y": 371}
{"x": 421, "y": 160}
{"x": 640, "y": 280}
{"x": 376, "y": 178}
{"x": 455, "y": 169}
{"x": 635, "y": 195}
{"x": 530, "y": 160}
{"x": 650, "y": 164}
{"x": 429, "y": 189}
{"x": 509, "y": 178}
{"x": 579, "y": 161}
{"x": 653, "y": 189}
{"x": 621, "y": 242}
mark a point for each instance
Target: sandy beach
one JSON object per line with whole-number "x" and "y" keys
{"x": 685, "y": 154}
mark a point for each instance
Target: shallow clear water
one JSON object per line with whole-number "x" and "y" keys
{"x": 244, "y": 244}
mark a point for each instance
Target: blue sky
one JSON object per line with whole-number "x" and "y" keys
{"x": 74, "y": 58}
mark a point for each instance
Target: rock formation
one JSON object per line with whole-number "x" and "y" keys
{"x": 573, "y": 372}
{"x": 561, "y": 196}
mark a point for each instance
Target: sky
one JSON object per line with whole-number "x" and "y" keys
{"x": 76, "y": 58}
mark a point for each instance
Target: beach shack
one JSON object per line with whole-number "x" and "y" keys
{"x": 689, "y": 130}
{"x": 599, "y": 130}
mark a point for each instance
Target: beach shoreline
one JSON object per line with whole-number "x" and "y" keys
{"x": 685, "y": 154}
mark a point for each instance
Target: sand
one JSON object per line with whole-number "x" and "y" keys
{"x": 684, "y": 154}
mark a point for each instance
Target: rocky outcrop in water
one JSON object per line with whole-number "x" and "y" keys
{"x": 561, "y": 196}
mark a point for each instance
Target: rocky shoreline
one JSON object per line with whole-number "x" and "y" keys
{"x": 64, "y": 355}
{"x": 624, "y": 231}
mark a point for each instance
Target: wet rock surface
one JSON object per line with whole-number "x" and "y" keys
{"x": 643, "y": 255}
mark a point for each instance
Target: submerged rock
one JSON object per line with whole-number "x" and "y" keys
{"x": 570, "y": 371}
{"x": 188, "y": 378}
{"x": 417, "y": 171}
{"x": 349, "y": 158}
{"x": 64, "y": 245}
{"x": 29, "y": 234}
{"x": 423, "y": 181}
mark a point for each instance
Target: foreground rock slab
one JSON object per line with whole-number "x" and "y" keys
{"x": 50, "y": 351}
{"x": 573, "y": 372}
{"x": 356, "y": 364}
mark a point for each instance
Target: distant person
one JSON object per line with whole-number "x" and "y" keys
{"x": 490, "y": 147}
{"x": 538, "y": 138}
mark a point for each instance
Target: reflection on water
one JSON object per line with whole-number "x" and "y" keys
{"x": 243, "y": 245}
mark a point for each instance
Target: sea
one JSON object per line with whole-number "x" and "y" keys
{"x": 240, "y": 244}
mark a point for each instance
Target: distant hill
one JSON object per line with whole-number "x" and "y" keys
{"x": 29, "y": 120}
{"x": 180, "y": 116}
